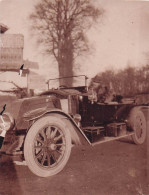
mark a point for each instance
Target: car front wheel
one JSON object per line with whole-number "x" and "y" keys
{"x": 47, "y": 146}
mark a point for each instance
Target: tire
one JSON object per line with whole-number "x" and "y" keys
{"x": 47, "y": 146}
{"x": 138, "y": 125}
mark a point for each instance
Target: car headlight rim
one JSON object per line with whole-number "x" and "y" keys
{"x": 8, "y": 122}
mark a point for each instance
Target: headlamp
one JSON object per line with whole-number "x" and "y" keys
{"x": 6, "y": 122}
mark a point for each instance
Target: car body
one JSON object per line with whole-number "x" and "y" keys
{"x": 54, "y": 120}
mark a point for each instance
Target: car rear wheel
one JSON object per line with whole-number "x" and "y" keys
{"x": 47, "y": 146}
{"x": 138, "y": 124}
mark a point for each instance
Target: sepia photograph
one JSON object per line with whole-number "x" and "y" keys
{"x": 74, "y": 97}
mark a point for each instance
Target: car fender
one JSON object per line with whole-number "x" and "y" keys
{"x": 77, "y": 135}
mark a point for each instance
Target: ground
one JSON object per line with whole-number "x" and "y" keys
{"x": 113, "y": 168}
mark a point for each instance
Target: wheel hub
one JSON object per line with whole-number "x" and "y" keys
{"x": 52, "y": 146}
{"x": 49, "y": 145}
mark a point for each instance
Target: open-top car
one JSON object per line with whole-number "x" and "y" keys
{"x": 53, "y": 121}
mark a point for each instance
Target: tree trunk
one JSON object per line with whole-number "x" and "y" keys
{"x": 66, "y": 64}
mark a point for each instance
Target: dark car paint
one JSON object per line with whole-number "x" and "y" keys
{"x": 92, "y": 114}
{"x": 31, "y": 104}
{"x": 18, "y": 107}
{"x": 96, "y": 114}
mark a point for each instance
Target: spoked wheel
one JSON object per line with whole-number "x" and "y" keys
{"x": 47, "y": 146}
{"x": 138, "y": 124}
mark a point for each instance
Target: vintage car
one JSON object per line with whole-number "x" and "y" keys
{"x": 53, "y": 121}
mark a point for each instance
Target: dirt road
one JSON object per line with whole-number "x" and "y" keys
{"x": 114, "y": 168}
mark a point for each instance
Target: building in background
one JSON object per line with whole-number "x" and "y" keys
{"x": 11, "y": 59}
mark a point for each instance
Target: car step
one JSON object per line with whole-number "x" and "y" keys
{"x": 106, "y": 139}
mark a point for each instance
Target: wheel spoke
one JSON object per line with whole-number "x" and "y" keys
{"x": 48, "y": 132}
{"x": 54, "y": 133}
{"x": 48, "y": 158}
{"x": 62, "y": 144}
{"x": 39, "y": 154}
{"x": 58, "y": 138}
{"x": 59, "y": 151}
{"x": 39, "y": 140}
{"x": 43, "y": 134}
{"x": 53, "y": 156}
{"x": 44, "y": 158}
{"x": 38, "y": 147}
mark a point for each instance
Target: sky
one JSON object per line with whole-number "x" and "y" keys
{"x": 121, "y": 38}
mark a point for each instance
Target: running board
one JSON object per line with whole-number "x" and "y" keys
{"x": 107, "y": 139}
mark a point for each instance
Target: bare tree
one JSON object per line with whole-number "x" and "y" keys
{"x": 127, "y": 82}
{"x": 61, "y": 26}
{"x": 17, "y": 90}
